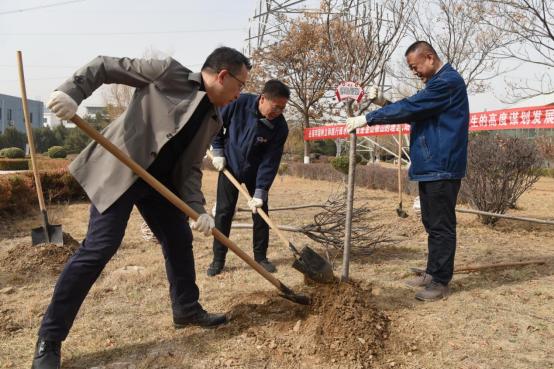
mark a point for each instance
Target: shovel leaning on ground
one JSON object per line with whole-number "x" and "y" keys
{"x": 306, "y": 261}
{"x": 399, "y": 211}
{"x": 180, "y": 204}
{"x": 47, "y": 233}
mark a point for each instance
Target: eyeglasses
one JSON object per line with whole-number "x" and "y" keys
{"x": 242, "y": 83}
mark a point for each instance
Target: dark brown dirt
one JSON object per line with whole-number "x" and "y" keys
{"x": 25, "y": 261}
{"x": 341, "y": 324}
{"x": 7, "y": 324}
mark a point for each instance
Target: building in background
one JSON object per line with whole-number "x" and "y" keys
{"x": 11, "y": 113}
{"x": 52, "y": 121}
{"x": 530, "y": 133}
{"x": 95, "y": 110}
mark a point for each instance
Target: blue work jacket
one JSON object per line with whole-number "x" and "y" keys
{"x": 439, "y": 124}
{"x": 251, "y": 144}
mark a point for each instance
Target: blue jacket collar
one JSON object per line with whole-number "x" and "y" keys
{"x": 445, "y": 66}
{"x": 252, "y": 106}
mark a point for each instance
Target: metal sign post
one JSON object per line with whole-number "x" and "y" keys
{"x": 349, "y": 90}
{"x": 349, "y": 207}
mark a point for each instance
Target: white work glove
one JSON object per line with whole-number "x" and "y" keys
{"x": 62, "y": 105}
{"x": 219, "y": 163}
{"x": 374, "y": 94}
{"x": 355, "y": 122}
{"x": 417, "y": 206}
{"x": 204, "y": 224}
{"x": 255, "y": 203}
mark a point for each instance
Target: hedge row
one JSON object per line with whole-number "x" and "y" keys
{"x": 12, "y": 153}
{"x": 372, "y": 176}
{"x": 14, "y": 164}
{"x": 18, "y": 192}
{"x": 57, "y": 152}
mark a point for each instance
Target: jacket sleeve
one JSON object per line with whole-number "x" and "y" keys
{"x": 104, "y": 70}
{"x": 428, "y": 102}
{"x": 190, "y": 181}
{"x": 191, "y": 189}
{"x": 270, "y": 165}
{"x": 218, "y": 143}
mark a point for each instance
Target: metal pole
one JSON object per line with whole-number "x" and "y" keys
{"x": 349, "y": 206}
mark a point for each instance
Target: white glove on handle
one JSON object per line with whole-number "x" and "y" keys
{"x": 62, "y": 105}
{"x": 219, "y": 163}
{"x": 375, "y": 96}
{"x": 255, "y": 203}
{"x": 355, "y": 122}
{"x": 204, "y": 224}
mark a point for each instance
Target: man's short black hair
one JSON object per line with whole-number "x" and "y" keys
{"x": 422, "y": 46}
{"x": 275, "y": 89}
{"x": 226, "y": 58}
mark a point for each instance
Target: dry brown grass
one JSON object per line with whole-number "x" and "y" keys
{"x": 500, "y": 319}
{"x": 46, "y": 163}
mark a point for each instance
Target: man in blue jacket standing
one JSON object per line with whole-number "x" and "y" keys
{"x": 250, "y": 145}
{"x": 439, "y": 118}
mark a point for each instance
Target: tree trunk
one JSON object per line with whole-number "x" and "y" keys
{"x": 306, "y": 143}
{"x": 338, "y": 145}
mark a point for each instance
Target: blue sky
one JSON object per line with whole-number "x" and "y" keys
{"x": 56, "y": 40}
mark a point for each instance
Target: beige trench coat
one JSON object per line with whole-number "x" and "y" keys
{"x": 166, "y": 96}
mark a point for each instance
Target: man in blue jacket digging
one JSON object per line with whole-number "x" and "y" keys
{"x": 250, "y": 146}
{"x": 439, "y": 118}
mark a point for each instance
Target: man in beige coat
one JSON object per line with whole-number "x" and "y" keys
{"x": 166, "y": 129}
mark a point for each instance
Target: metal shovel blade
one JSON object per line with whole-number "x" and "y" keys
{"x": 55, "y": 235}
{"x": 297, "y": 298}
{"x": 401, "y": 213}
{"x": 311, "y": 264}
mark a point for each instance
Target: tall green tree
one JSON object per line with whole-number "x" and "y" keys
{"x": 13, "y": 138}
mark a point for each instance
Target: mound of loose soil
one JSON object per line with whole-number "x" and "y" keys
{"x": 342, "y": 324}
{"x": 7, "y": 324}
{"x": 25, "y": 261}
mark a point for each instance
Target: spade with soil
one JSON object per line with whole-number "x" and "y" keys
{"x": 47, "y": 233}
{"x": 286, "y": 292}
{"x": 306, "y": 261}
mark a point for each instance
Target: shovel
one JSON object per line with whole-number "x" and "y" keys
{"x": 180, "y": 204}
{"x": 47, "y": 233}
{"x": 306, "y": 261}
{"x": 401, "y": 213}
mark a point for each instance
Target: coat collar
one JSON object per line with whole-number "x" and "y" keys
{"x": 196, "y": 77}
{"x": 252, "y": 105}
{"x": 444, "y": 67}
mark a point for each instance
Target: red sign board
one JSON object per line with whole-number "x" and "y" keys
{"x": 349, "y": 90}
{"x": 521, "y": 118}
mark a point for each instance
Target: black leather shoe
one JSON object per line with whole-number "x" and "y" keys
{"x": 199, "y": 317}
{"x": 47, "y": 354}
{"x": 268, "y": 265}
{"x": 215, "y": 268}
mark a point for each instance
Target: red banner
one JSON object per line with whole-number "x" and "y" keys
{"x": 520, "y": 118}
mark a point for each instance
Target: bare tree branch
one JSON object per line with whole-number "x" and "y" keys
{"x": 530, "y": 23}
{"x": 460, "y": 32}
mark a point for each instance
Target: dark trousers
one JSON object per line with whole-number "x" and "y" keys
{"x": 227, "y": 196}
{"x": 104, "y": 236}
{"x": 438, "y": 203}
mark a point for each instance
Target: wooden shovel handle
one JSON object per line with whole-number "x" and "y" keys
{"x": 247, "y": 196}
{"x": 171, "y": 197}
{"x": 29, "y": 130}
